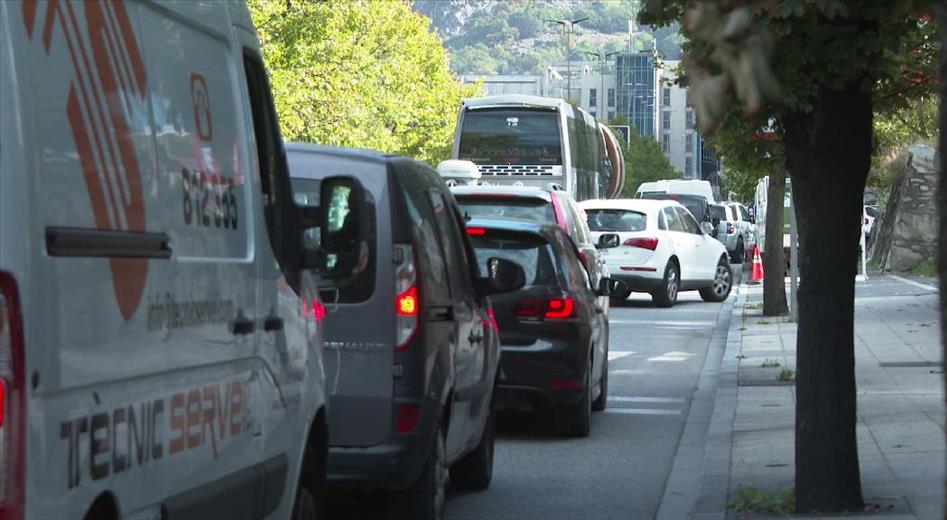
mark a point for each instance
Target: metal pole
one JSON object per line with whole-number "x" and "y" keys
{"x": 568, "y": 62}
{"x": 793, "y": 263}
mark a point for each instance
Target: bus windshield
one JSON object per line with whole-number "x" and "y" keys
{"x": 511, "y": 137}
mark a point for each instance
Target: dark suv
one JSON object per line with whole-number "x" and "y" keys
{"x": 553, "y": 331}
{"x": 541, "y": 206}
{"x": 411, "y": 345}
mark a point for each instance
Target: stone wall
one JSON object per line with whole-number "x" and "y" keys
{"x": 905, "y": 235}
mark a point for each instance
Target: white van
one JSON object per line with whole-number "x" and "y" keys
{"x": 155, "y": 357}
{"x": 677, "y": 187}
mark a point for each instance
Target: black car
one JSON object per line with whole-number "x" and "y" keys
{"x": 412, "y": 351}
{"x": 553, "y": 332}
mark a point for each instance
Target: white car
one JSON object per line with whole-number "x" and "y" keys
{"x": 656, "y": 246}
{"x": 741, "y": 232}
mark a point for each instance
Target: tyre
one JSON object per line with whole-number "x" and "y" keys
{"x": 425, "y": 499}
{"x": 666, "y": 294}
{"x": 723, "y": 282}
{"x": 601, "y": 402}
{"x": 305, "y": 507}
{"x": 475, "y": 470}
{"x": 740, "y": 253}
{"x": 576, "y": 420}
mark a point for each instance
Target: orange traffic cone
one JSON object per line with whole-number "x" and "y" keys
{"x": 757, "y": 265}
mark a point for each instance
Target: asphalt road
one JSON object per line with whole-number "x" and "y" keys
{"x": 620, "y": 470}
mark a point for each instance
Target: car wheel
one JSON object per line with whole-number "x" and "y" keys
{"x": 740, "y": 254}
{"x": 576, "y": 420}
{"x": 601, "y": 402}
{"x": 666, "y": 294}
{"x": 425, "y": 499}
{"x": 475, "y": 470}
{"x": 723, "y": 282}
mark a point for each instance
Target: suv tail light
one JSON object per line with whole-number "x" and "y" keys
{"x": 407, "y": 301}
{"x": 557, "y": 308}
{"x": 12, "y": 416}
{"x": 730, "y": 229}
{"x": 645, "y": 243}
{"x": 560, "y": 213}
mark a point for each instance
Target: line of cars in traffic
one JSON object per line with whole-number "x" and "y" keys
{"x": 198, "y": 320}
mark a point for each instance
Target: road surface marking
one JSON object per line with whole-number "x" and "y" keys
{"x": 643, "y": 399}
{"x": 672, "y": 356}
{"x": 618, "y": 355}
{"x": 642, "y": 411}
{"x": 671, "y": 323}
{"x": 915, "y": 284}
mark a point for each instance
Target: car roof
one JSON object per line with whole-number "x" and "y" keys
{"x": 337, "y": 151}
{"x": 510, "y": 191}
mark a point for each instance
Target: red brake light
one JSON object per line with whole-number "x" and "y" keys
{"x": 407, "y": 418}
{"x": 476, "y": 231}
{"x": 491, "y": 321}
{"x": 407, "y": 302}
{"x": 12, "y": 402}
{"x": 318, "y": 310}
{"x": 564, "y": 383}
{"x": 558, "y": 308}
{"x": 645, "y": 243}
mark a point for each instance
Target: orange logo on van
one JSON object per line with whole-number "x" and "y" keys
{"x": 105, "y": 77}
{"x": 201, "y": 101}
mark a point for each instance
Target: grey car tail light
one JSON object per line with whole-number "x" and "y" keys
{"x": 407, "y": 299}
{"x": 12, "y": 417}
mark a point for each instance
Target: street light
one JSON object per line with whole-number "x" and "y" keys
{"x": 568, "y": 27}
{"x": 604, "y": 61}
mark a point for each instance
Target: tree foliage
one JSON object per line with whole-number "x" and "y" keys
{"x": 644, "y": 162}
{"x": 359, "y": 73}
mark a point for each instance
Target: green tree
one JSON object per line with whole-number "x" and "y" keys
{"x": 820, "y": 69}
{"x": 359, "y": 73}
{"x": 644, "y": 162}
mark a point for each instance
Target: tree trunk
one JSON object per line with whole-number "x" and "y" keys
{"x": 774, "y": 261}
{"x": 828, "y": 154}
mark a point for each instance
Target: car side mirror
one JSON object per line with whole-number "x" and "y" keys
{"x": 707, "y": 227}
{"x": 611, "y": 287}
{"x": 608, "y": 240}
{"x": 335, "y": 231}
{"x": 503, "y": 276}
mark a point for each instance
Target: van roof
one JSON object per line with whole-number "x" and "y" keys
{"x": 338, "y": 151}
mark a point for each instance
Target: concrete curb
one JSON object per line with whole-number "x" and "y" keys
{"x": 715, "y": 480}
{"x": 697, "y": 457}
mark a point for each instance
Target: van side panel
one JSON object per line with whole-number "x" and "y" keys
{"x": 132, "y": 225}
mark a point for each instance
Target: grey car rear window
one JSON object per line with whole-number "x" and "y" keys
{"x": 616, "y": 220}
{"x": 360, "y": 286}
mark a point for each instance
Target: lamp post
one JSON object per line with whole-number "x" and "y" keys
{"x": 568, "y": 27}
{"x": 603, "y": 59}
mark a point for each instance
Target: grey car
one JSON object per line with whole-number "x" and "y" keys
{"x": 411, "y": 345}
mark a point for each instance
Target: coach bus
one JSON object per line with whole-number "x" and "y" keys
{"x": 534, "y": 141}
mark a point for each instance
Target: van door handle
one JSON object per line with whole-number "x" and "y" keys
{"x": 242, "y": 326}
{"x": 273, "y": 323}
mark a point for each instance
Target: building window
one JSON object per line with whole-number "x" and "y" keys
{"x": 611, "y": 98}
{"x": 666, "y": 96}
{"x": 592, "y": 112}
{"x": 611, "y": 115}
{"x": 689, "y": 143}
{"x": 593, "y": 98}
{"x": 690, "y": 119}
{"x": 688, "y": 167}
{"x": 666, "y": 120}
{"x": 666, "y": 143}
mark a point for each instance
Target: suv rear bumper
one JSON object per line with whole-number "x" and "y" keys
{"x": 395, "y": 464}
{"x": 640, "y": 282}
{"x": 542, "y": 375}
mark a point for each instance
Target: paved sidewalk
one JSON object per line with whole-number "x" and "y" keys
{"x": 901, "y": 411}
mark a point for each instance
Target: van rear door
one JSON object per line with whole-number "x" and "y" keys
{"x": 359, "y": 326}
